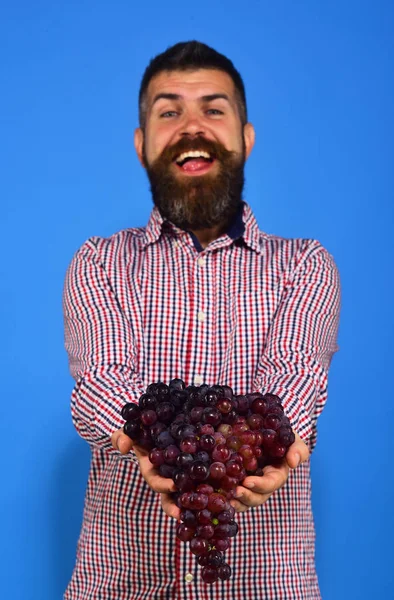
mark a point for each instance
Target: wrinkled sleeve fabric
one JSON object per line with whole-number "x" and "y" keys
{"x": 100, "y": 347}
{"x": 303, "y": 339}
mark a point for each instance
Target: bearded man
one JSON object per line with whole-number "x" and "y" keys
{"x": 200, "y": 294}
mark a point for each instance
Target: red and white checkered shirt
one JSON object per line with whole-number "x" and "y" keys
{"x": 253, "y": 311}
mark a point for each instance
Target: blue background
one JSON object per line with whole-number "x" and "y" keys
{"x": 319, "y": 84}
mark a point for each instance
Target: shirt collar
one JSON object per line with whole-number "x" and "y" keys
{"x": 244, "y": 226}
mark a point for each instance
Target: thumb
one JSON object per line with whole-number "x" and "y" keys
{"x": 297, "y": 453}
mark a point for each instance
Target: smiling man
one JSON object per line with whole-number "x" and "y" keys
{"x": 202, "y": 294}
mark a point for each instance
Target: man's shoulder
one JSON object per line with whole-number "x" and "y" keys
{"x": 125, "y": 240}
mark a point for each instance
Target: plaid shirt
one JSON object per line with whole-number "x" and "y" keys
{"x": 252, "y": 310}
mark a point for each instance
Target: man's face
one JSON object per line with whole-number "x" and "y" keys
{"x": 194, "y": 147}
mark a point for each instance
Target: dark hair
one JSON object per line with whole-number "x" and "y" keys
{"x": 189, "y": 56}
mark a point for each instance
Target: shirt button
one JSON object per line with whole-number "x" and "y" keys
{"x": 188, "y": 577}
{"x": 201, "y": 316}
{"x": 198, "y": 380}
{"x": 201, "y": 262}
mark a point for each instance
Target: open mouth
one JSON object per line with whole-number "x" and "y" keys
{"x": 195, "y": 162}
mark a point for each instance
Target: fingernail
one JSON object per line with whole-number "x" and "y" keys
{"x": 298, "y": 459}
{"x": 238, "y": 494}
{"x": 249, "y": 485}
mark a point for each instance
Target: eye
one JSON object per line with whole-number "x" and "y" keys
{"x": 215, "y": 111}
{"x": 168, "y": 113}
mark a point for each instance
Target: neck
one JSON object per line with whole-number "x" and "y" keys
{"x": 206, "y": 236}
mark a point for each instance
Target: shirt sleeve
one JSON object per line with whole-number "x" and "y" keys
{"x": 100, "y": 347}
{"x": 303, "y": 339}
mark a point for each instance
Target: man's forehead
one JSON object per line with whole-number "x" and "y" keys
{"x": 191, "y": 83}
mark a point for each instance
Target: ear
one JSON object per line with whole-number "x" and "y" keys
{"x": 249, "y": 137}
{"x": 139, "y": 144}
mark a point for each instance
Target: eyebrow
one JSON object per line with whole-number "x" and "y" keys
{"x": 208, "y": 98}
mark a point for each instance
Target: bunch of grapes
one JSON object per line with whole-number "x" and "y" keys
{"x": 207, "y": 440}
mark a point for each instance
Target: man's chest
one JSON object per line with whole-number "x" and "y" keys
{"x": 200, "y": 316}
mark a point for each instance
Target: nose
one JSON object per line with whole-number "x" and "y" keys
{"x": 192, "y": 126}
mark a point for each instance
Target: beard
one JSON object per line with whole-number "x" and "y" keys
{"x": 200, "y": 201}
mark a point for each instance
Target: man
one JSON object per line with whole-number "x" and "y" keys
{"x": 201, "y": 294}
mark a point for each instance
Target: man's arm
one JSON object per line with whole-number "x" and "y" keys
{"x": 294, "y": 366}
{"x": 302, "y": 340}
{"x": 100, "y": 347}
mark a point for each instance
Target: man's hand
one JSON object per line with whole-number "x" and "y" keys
{"x": 254, "y": 490}
{"x": 163, "y": 485}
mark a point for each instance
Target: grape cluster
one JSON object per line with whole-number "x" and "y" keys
{"x": 207, "y": 440}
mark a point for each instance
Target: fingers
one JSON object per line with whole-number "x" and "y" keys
{"x": 121, "y": 441}
{"x": 297, "y": 453}
{"x": 169, "y": 507}
{"x": 151, "y": 476}
{"x": 256, "y": 490}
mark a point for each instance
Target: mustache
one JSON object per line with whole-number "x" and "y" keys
{"x": 216, "y": 150}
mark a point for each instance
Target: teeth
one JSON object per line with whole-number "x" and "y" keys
{"x": 192, "y": 154}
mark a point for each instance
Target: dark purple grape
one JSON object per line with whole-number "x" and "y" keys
{"x": 228, "y": 483}
{"x": 199, "y": 546}
{"x": 211, "y": 416}
{"x": 165, "y": 412}
{"x": 167, "y": 471}
{"x": 224, "y": 406}
{"x": 230, "y": 418}
{"x": 148, "y": 417}
{"x": 184, "y": 460}
{"x": 217, "y": 470}
{"x": 207, "y": 442}
{"x": 227, "y": 391}
{"x": 226, "y": 515}
{"x": 272, "y": 421}
{"x": 209, "y": 574}
{"x": 216, "y": 503}
{"x": 145, "y": 439}
{"x": 171, "y": 453}
{"x": 277, "y": 450}
{"x": 221, "y": 453}
{"x": 205, "y": 531}
{"x": 243, "y": 404}
{"x": 163, "y": 392}
{"x": 198, "y": 501}
{"x": 260, "y": 406}
{"x": 198, "y": 471}
{"x": 156, "y": 457}
{"x": 195, "y": 414}
{"x": 184, "y": 533}
{"x": 183, "y": 481}
{"x": 217, "y": 389}
{"x": 204, "y": 488}
{"x": 164, "y": 439}
{"x": 224, "y": 572}
{"x": 203, "y": 456}
{"x": 132, "y": 429}
{"x": 215, "y": 558}
{"x": 286, "y": 435}
{"x": 148, "y": 401}
{"x": 269, "y": 438}
{"x": 255, "y": 421}
{"x": 233, "y": 469}
{"x": 189, "y": 445}
{"x": 233, "y": 529}
{"x": 177, "y": 398}
{"x": 210, "y": 398}
{"x": 157, "y": 428}
{"x": 131, "y": 412}
{"x": 177, "y": 384}
{"x": 189, "y": 518}
{"x": 221, "y": 544}
{"x": 204, "y": 517}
